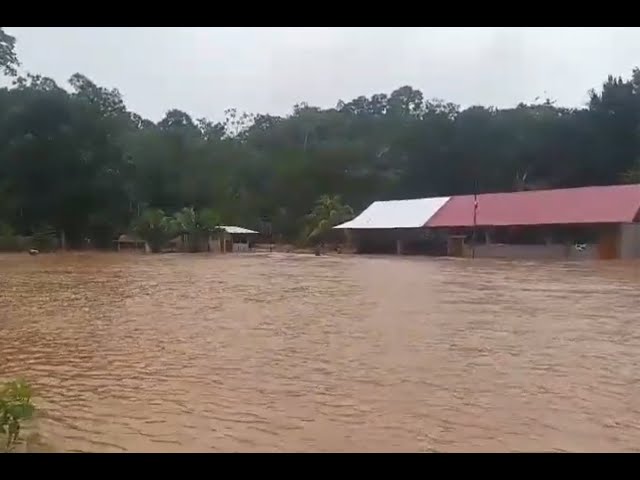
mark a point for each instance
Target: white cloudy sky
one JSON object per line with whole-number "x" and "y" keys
{"x": 205, "y": 70}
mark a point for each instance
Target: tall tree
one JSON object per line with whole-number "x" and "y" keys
{"x": 8, "y": 57}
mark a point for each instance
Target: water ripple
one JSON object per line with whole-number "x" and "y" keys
{"x": 277, "y": 352}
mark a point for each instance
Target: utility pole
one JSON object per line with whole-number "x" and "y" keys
{"x": 475, "y": 219}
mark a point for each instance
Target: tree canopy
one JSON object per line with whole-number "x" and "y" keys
{"x": 74, "y": 159}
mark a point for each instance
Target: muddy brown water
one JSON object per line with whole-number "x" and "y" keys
{"x": 285, "y": 352}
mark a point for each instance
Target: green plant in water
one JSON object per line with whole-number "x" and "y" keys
{"x": 328, "y": 212}
{"x": 198, "y": 227}
{"x": 15, "y": 408}
{"x": 155, "y": 228}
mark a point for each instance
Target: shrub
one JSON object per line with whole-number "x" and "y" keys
{"x": 10, "y": 243}
{"x": 15, "y": 409}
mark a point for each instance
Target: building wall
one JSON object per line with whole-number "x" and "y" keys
{"x": 534, "y": 252}
{"x": 240, "y": 247}
{"x": 396, "y": 240}
{"x": 589, "y": 253}
{"x": 630, "y": 240}
{"x": 216, "y": 244}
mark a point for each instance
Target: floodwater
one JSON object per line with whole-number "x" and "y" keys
{"x": 285, "y": 352}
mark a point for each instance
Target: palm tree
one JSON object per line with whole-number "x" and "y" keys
{"x": 197, "y": 227}
{"x": 328, "y": 212}
{"x": 155, "y": 228}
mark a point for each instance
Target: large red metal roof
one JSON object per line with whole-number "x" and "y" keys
{"x": 608, "y": 204}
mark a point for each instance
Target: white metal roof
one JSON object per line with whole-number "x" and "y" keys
{"x": 397, "y": 213}
{"x": 233, "y": 230}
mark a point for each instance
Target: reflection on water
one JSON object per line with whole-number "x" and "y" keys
{"x": 281, "y": 352}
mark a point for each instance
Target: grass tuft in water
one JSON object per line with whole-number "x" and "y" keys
{"x": 16, "y": 407}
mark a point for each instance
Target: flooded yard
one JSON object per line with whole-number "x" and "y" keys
{"x": 277, "y": 352}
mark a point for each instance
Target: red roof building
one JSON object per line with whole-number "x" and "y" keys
{"x": 571, "y": 206}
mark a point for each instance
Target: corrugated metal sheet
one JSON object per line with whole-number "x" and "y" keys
{"x": 608, "y": 204}
{"x": 397, "y": 214}
{"x": 235, "y": 230}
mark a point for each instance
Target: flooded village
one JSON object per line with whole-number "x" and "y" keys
{"x": 353, "y": 352}
{"x": 393, "y": 274}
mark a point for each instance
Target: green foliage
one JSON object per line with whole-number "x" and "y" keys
{"x": 10, "y": 243}
{"x": 328, "y": 212}
{"x": 8, "y": 240}
{"x": 197, "y": 227}
{"x": 44, "y": 239}
{"x": 190, "y": 221}
{"x": 6, "y": 230}
{"x": 8, "y": 58}
{"x": 633, "y": 174}
{"x": 15, "y": 408}
{"x": 80, "y": 161}
{"x": 155, "y": 228}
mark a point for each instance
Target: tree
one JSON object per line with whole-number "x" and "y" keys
{"x": 155, "y": 228}
{"x": 8, "y": 58}
{"x": 108, "y": 102}
{"x": 197, "y": 227}
{"x": 328, "y": 212}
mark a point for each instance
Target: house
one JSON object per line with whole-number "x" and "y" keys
{"x": 129, "y": 242}
{"x": 233, "y": 239}
{"x": 587, "y": 222}
{"x": 395, "y": 226}
{"x": 132, "y": 242}
{"x": 230, "y": 239}
{"x": 573, "y": 223}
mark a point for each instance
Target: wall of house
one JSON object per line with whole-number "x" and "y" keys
{"x": 589, "y": 253}
{"x": 396, "y": 241}
{"x": 240, "y": 247}
{"x": 534, "y": 252}
{"x": 499, "y": 250}
{"x": 214, "y": 245}
{"x": 553, "y": 242}
{"x": 630, "y": 240}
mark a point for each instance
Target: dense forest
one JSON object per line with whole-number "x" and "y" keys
{"x": 74, "y": 159}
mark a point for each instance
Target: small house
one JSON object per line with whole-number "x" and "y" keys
{"x": 130, "y": 242}
{"x": 233, "y": 239}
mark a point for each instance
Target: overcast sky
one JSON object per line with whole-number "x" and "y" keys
{"x": 267, "y": 70}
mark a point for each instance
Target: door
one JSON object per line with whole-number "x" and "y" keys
{"x": 608, "y": 245}
{"x": 455, "y": 246}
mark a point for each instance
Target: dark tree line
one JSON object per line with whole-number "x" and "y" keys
{"x": 76, "y": 160}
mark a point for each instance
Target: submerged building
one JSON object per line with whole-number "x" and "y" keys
{"x": 589, "y": 222}
{"x": 395, "y": 226}
{"x": 234, "y": 239}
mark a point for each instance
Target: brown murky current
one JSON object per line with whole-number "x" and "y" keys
{"x": 277, "y": 352}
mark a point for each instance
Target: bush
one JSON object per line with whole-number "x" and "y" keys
{"x": 44, "y": 242}
{"x": 15, "y": 409}
{"x": 10, "y": 243}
